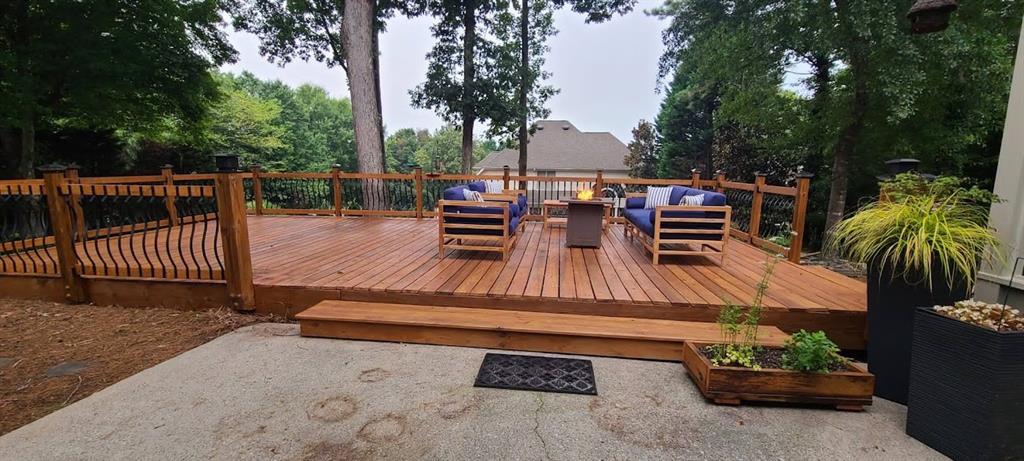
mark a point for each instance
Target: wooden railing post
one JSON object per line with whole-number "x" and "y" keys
{"x": 72, "y": 176}
{"x": 719, "y": 181}
{"x": 803, "y": 190}
{"x": 506, "y": 176}
{"x": 599, "y": 183}
{"x": 167, "y": 171}
{"x": 336, "y": 187}
{"x": 418, "y": 177}
{"x": 257, "y": 189}
{"x": 755, "y": 206}
{"x": 234, "y": 231}
{"x": 60, "y": 222}
{"x": 695, "y": 178}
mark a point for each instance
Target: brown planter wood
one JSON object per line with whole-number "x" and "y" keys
{"x": 847, "y": 390}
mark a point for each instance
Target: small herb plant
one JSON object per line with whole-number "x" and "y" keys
{"x": 739, "y": 328}
{"x": 811, "y": 353}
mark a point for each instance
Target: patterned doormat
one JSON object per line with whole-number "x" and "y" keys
{"x": 532, "y": 373}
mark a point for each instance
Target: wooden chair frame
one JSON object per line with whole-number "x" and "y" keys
{"x": 446, "y": 240}
{"x": 704, "y": 247}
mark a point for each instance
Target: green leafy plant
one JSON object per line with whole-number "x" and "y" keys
{"x": 739, "y": 328}
{"x": 912, "y": 232}
{"x": 906, "y": 185}
{"x": 811, "y": 353}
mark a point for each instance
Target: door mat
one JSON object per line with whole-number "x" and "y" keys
{"x": 533, "y": 373}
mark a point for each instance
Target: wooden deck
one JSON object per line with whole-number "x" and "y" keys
{"x": 298, "y": 261}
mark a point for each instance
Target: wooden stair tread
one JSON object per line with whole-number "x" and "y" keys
{"x": 524, "y": 322}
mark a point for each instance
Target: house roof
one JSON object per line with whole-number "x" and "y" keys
{"x": 559, "y": 145}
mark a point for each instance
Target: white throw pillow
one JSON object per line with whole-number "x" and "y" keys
{"x": 692, "y": 200}
{"x": 494, "y": 187}
{"x": 657, "y": 196}
{"x": 472, "y": 195}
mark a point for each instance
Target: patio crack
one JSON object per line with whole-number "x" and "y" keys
{"x": 536, "y": 424}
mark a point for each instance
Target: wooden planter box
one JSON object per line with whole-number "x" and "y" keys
{"x": 966, "y": 392}
{"x": 847, "y": 390}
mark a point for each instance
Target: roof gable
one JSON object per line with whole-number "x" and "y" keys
{"x": 559, "y": 145}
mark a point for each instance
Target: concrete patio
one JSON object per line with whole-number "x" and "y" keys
{"x": 262, "y": 392}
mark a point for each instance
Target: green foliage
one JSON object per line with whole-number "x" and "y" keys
{"x": 642, "y": 158}
{"x": 906, "y": 185}
{"x": 244, "y": 124}
{"x": 940, "y": 97}
{"x": 811, "y": 353}
{"x": 684, "y": 126}
{"x": 738, "y": 328}
{"x": 401, "y": 146}
{"x": 916, "y": 233}
{"x": 114, "y": 64}
{"x": 441, "y": 152}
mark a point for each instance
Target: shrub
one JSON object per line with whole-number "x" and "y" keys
{"x": 911, "y": 233}
{"x": 811, "y": 353}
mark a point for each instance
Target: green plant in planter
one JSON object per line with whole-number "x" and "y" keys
{"x": 913, "y": 233}
{"x": 739, "y": 329}
{"x": 811, "y": 353}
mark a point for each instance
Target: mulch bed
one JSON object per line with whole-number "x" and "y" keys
{"x": 52, "y": 355}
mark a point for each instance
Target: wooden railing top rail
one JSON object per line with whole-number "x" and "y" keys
{"x": 137, "y": 190}
{"x": 22, "y": 187}
{"x": 121, "y": 179}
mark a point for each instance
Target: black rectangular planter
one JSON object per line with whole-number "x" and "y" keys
{"x": 891, "y": 304}
{"x": 966, "y": 388}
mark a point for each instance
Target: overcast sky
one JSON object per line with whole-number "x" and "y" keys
{"x": 606, "y": 72}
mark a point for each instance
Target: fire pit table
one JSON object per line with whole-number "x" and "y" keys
{"x": 586, "y": 222}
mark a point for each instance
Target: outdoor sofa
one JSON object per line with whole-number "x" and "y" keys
{"x": 675, "y": 229}
{"x": 493, "y": 221}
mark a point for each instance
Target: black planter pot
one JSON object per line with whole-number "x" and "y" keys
{"x": 966, "y": 397}
{"x": 891, "y": 304}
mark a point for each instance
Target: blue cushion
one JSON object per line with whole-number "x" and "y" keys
{"x": 522, "y": 204}
{"x": 641, "y": 218}
{"x": 635, "y": 202}
{"x": 455, "y": 193}
{"x": 478, "y": 186}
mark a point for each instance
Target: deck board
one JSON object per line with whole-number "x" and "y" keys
{"x": 400, "y": 254}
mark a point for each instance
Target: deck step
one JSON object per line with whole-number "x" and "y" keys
{"x": 515, "y": 330}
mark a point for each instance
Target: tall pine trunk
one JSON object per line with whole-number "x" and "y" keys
{"x": 849, "y": 136}
{"x": 524, "y": 76}
{"x": 468, "y": 84}
{"x": 26, "y": 164}
{"x": 357, "y": 34}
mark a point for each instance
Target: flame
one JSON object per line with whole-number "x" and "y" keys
{"x": 585, "y": 194}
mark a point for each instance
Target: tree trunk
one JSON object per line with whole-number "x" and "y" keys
{"x": 26, "y": 164}
{"x": 10, "y": 148}
{"x": 357, "y": 34}
{"x": 822, "y": 86}
{"x": 856, "y": 49}
{"x": 380, "y": 105}
{"x": 468, "y": 84}
{"x": 524, "y": 83}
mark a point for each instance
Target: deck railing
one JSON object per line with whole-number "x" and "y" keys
{"x": 769, "y": 216}
{"x": 192, "y": 227}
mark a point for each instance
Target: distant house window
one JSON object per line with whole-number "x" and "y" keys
{"x": 545, "y": 172}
